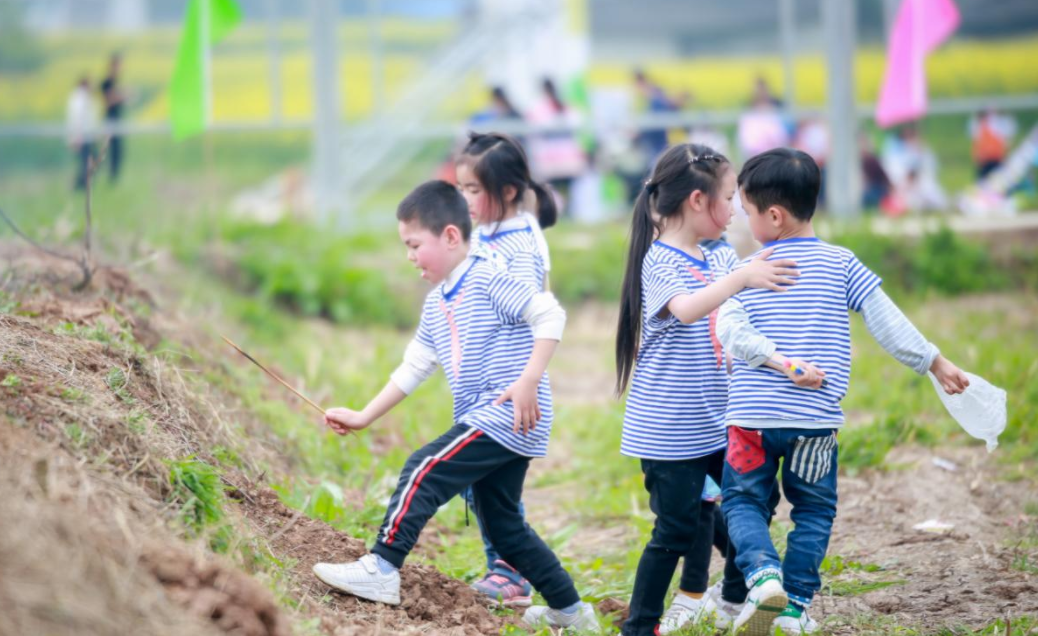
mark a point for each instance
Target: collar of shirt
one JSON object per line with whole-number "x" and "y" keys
{"x": 520, "y": 221}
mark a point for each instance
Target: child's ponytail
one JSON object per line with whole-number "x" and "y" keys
{"x": 629, "y": 325}
{"x": 547, "y": 210}
{"x": 680, "y": 171}
{"x": 499, "y": 162}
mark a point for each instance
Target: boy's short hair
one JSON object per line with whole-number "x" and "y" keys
{"x": 785, "y": 177}
{"x": 435, "y": 205}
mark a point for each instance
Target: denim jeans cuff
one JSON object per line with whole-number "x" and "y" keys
{"x": 797, "y": 595}
{"x": 761, "y": 572}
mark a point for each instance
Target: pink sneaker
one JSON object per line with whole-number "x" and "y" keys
{"x": 504, "y": 586}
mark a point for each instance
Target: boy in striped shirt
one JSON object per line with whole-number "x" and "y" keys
{"x": 801, "y": 335}
{"x": 494, "y": 336}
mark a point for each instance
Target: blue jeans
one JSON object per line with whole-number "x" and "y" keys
{"x": 809, "y": 483}
{"x": 488, "y": 547}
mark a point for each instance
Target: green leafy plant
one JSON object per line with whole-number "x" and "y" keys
{"x": 197, "y": 488}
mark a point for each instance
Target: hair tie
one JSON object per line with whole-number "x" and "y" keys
{"x": 696, "y": 158}
{"x": 650, "y": 187}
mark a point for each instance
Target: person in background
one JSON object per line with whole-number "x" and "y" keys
{"x": 912, "y": 168}
{"x": 556, "y": 155}
{"x": 875, "y": 182}
{"x": 761, "y": 128}
{"x": 652, "y": 141}
{"x": 812, "y": 137}
{"x": 991, "y": 133}
{"x": 500, "y": 109}
{"x": 81, "y": 126}
{"x": 114, "y": 99}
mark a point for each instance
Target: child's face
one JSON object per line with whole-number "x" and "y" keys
{"x": 719, "y": 209}
{"x": 761, "y": 224}
{"x": 476, "y": 197}
{"x": 435, "y": 256}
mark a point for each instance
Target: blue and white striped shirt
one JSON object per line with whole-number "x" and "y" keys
{"x": 477, "y": 330}
{"x": 808, "y": 321}
{"x": 519, "y": 245}
{"x": 679, "y": 388}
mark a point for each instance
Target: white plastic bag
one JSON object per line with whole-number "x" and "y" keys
{"x": 980, "y": 410}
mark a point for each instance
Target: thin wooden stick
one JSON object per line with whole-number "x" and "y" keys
{"x": 271, "y": 374}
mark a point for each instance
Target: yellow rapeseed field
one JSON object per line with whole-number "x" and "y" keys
{"x": 242, "y": 91}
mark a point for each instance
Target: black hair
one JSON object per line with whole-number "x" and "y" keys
{"x": 680, "y": 171}
{"x": 499, "y": 94}
{"x": 435, "y": 205}
{"x": 553, "y": 95}
{"x": 498, "y": 161}
{"x": 785, "y": 177}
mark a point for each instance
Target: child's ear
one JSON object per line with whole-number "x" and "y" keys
{"x": 776, "y": 215}
{"x": 452, "y": 234}
{"x": 697, "y": 199}
{"x": 510, "y": 192}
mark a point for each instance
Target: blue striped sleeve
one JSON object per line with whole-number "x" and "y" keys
{"x": 661, "y": 282}
{"x": 525, "y": 266}
{"x": 509, "y": 296}
{"x": 861, "y": 281}
{"x": 424, "y": 333}
{"x": 727, "y": 259}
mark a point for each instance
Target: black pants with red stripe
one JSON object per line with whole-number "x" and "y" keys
{"x": 462, "y": 457}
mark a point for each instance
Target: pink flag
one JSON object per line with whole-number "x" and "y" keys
{"x": 920, "y": 27}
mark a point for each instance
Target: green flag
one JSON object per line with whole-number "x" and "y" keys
{"x": 206, "y": 23}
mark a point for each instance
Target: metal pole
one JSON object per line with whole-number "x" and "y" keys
{"x": 324, "y": 21}
{"x": 842, "y": 167}
{"x": 277, "y": 110}
{"x": 787, "y": 33}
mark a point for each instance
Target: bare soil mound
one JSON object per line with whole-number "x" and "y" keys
{"x": 90, "y": 414}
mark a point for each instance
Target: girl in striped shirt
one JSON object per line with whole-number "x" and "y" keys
{"x": 667, "y": 350}
{"x": 494, "y": 177}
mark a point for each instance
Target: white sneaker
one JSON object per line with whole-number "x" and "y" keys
{"x": 583, "y": 620}
{"x": 362, "y": 578}
{"x": 723, "y": 612}
{"x": 682, "y": 611}
{"x": 792, "y": 624}
{"x": 764, "y": 603}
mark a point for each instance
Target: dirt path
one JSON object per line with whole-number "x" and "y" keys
{"x": 962, "y": 577}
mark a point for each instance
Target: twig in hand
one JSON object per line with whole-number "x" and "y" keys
{"x": 273, "y": 375}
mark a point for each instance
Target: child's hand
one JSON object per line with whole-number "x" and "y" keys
{"x": 344, "y": 421}
{"x": 951, "y": 377}
{"x": 525, "y": 408}
{"x": 804, "y": 374}
{"x": 765, "y": 274}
